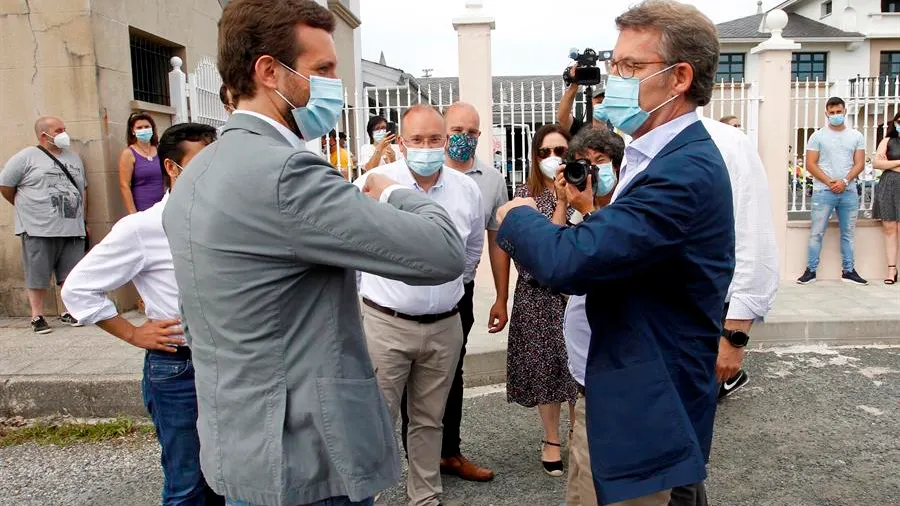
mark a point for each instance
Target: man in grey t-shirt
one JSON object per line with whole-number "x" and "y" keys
{"x": 835, "y": 156}
{"x": 49, "y": 212}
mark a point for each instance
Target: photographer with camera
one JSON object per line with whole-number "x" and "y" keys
{"x": 598, "y": 155}
{"x": 584, "y": 72}
{"x": 382, "y": 148}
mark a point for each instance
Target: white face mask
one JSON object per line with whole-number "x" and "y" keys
{"x": 549, "y": 166}
{"x": 62, "y": 140}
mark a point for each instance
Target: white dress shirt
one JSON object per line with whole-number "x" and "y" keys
{"x": 461, "y": 198}
{"x": 136, "y": 249}
{"x": 290, "y": 136}
{"x": 752, "y": 290}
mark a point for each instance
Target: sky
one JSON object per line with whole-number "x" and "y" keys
{"x": 532, "y": 37}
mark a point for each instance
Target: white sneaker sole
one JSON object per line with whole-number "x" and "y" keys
{"x": 845, "y": 280}
{"x": 45, "y": 331}
{"x": 806, "y": 282}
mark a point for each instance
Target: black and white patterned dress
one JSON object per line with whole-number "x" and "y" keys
{"x": 887, "y": 192}
{"x": 537, "y": 369}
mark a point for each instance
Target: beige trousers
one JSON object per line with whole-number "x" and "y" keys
{"x": 580, "y": 486}
{"x": 421, "y": 357}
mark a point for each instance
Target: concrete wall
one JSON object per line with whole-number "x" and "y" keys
{"x": 876, "y": 46}
{"x": 72, "y": 59}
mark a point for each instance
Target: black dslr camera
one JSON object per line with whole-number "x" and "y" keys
{"x": 576, "y": 173}
{"x": 587, "y": 73}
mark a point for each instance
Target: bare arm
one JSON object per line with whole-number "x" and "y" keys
{"x": 126, "y": 172}
{"x": 881, "y": 161}
{"x": 812, "y": 166}
{"x": 499, "y": 266}
{"x": 859, "y": 163}
{"x": 9, "y": 193}
{"x": 566, "y": 103}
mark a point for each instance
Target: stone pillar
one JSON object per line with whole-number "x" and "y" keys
{"x": 475, "y": 84}
{"x": 775, "y": 89}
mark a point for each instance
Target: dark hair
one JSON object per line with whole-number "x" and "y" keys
{"x": 600, "y": 140}
{"x": 835, "y": 101}
{"x": 171, "y": 147}
{"x": 370, "y": 126}
{"x": 686, "y": 35}
{"x": 892, "y": 128}
{"x": 535, "y": 181}
{"x": 134, "y": 118}
{"x": 223, "y": 95}
{"x": 250, "y": 29}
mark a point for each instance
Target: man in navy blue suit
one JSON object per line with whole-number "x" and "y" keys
{"x": 655, "y": 264}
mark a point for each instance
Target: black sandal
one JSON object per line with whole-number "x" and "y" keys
{"x": 554, "y": 468}
{"x": 890, "y": 281}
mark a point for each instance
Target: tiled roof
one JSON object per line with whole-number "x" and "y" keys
{"x": 798, "y": 27}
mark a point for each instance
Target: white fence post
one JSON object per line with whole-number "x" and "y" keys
{"x": 177, "y": 91}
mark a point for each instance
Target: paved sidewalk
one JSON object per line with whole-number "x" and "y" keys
{"x": 85, "y": 372}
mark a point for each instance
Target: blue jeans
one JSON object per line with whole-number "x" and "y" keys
{"x": 824, "y": 202}
{"x": 171, "y": 399}
{"x": 331, "y": 501}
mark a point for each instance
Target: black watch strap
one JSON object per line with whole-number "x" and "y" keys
{"x": 737, "y": 338}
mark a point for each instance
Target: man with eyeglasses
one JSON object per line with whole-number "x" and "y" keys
{"x": 414, "y": 333}
{"x": 654, "y": 265}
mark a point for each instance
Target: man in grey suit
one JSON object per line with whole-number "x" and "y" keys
{"x": 266, "y": 238}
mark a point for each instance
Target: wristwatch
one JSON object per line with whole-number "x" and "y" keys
{"x": 846, "y": 183}
{"x": 737, "y": 338}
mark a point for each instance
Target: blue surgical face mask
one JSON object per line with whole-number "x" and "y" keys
{"x": 621, "y": 107}
{"x": 425, "y": 161}
{"x": 378, "y": 135}
{"x": 144, "y": 134}
{"x": 836, "y": 119}
{"x": 606, "y": 180}
{"x": 326, "y": 100}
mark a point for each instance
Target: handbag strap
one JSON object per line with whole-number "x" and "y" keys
{"x": 61, "y": 166}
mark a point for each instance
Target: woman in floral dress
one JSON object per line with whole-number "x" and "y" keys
{"x": 537, "y": 366}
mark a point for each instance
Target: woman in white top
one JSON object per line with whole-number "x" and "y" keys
{"x": 381, "y": 149}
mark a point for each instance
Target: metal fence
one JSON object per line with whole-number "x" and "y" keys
{"x": 871, "y": 103}
{"x": 523, "y": 104}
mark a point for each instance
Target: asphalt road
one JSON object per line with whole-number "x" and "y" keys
{"x": 813, "y": 428}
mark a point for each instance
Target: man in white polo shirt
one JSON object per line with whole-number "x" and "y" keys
{"x": 414, "y": 333}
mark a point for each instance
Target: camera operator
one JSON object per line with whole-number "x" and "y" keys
{"x": 604, "y": 150}
{"x": 565, "y": 117}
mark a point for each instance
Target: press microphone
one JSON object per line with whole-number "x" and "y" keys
{"x": 573, "y": 53}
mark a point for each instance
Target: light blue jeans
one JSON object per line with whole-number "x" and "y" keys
{"x": 332, "y": 501}
{"x": 824, "y": 202}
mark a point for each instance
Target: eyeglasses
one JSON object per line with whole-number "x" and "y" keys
{"x": 559, "y": 151}
{"x": 626, "y": 68}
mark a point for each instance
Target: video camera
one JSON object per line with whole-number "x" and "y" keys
{"x": 587, "y": 73}
{"x": 576, "y": 173}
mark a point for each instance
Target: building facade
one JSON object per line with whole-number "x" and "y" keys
{"x": 93, "y": 63}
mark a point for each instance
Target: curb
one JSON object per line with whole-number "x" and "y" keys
{"x": 107, "y": 396}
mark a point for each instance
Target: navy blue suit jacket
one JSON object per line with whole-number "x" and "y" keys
{"x": 655, "y": 266}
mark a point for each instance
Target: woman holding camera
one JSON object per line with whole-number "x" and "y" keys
{"x": 537, "y": 370}
{"x": 381, "y": 149}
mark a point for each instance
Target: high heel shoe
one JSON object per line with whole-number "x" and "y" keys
{"x": 553, "y": 468}
{"x": 890, "y": 281}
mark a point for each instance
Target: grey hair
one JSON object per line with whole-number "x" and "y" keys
{"x": 600, "y": 140}
{"x": 40, "y": 126}
{"x": 686, "y": 35}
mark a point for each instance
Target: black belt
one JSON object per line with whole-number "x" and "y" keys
{"x": 533, "y": 283}
{"x": 183, "y": 352}
{"x": 423, "y": 318}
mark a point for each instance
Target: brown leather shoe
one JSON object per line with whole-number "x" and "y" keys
{"x": 465, "y": 469}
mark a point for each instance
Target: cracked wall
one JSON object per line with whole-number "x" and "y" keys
{"x": 71, "y": 58}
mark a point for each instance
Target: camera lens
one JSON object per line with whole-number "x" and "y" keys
{"x": 576, "y": 173}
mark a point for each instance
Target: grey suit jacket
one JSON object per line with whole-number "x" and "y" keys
{"x": 265, "y": 240}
